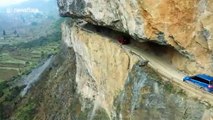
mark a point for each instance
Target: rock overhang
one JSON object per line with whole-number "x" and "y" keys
{"x": 181, "y": 24}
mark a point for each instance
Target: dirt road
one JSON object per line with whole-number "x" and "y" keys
{"x": 168, "y": 71}
{"x": 35, "y": 74}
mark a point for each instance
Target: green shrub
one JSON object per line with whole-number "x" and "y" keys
{"x": 26, "y": 112}
{"x": 1, "y": 93}
{"x": 13, "y": 93}
{"x": 3, "y": 85}
{"x": 169, "y": 87}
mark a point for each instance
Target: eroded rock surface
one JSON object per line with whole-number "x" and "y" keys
{"x": 185, "y": 25}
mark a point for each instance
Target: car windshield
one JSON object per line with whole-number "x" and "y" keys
{"x": 211, "y": 83}
{"x": 200, "y": 79}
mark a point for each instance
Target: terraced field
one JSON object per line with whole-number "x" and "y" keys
{"x": 18, "y": 58}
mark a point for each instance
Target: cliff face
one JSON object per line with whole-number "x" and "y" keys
{"x": 102, "y": 65}
{"x": 184, "y": 25}
{"x": 113, "y": 83}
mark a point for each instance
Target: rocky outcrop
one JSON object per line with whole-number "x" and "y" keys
{"x": 184, "y": 25}
{"x": 113, "y": 83}
{"x": 102, "y": 65}
{"x": 147, "y": 97}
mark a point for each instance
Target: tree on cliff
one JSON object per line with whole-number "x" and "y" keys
{"x": 4, "y": 33}
{"x": 15, "y": 32}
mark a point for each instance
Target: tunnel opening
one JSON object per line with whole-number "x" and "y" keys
{"x": 121, "y": 37}
{"x": 164, "y": 52}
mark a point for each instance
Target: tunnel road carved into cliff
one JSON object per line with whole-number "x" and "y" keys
{"x": 166, "y": 70}
{"x": 169, "y": 72}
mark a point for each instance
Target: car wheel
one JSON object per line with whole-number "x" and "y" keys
{"x": 185, "y": 81}
{"x": 206, "y": 89}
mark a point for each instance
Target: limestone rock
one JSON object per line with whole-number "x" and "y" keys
{"x": 102, "y": 66}
{"x": 185, "y": 25}
{"x": 121, "y": 86}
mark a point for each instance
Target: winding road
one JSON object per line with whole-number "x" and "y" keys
{"x": 34, "y": 76}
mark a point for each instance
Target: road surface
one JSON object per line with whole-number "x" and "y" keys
{"x": 169, "y": 72}
{"x": 34, "y": 76}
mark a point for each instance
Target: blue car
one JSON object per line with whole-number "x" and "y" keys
{"x": 201, "y": 80}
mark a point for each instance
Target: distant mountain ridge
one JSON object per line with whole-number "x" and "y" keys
{"x": 45, "y": 6}
{"x": 29, "y": 13}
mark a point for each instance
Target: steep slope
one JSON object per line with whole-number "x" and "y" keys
{"x": 49, "y": 98}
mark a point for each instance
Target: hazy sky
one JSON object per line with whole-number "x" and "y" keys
{"x": 10, "y": 2}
